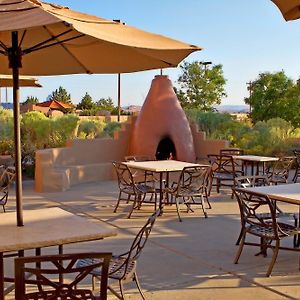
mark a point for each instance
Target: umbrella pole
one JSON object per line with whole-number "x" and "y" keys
{"x": 15, "y": 64}
{"x": 119, "y": 97}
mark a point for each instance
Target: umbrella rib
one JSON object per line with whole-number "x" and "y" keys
{"x": 67, "y": 50}
{"x": 22, "y": 38}
{"x": 53, "y": 44}
{"x": 3, "y": 46}
{"x": 37, "y": 46}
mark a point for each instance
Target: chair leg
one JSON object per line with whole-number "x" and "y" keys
{"x": 121, "y": 297}
{"x": 177, "y": 208}
{"x": 128, "y": 198}
{"x": 218, "y": 184}
{"x": 296, "y": 175}
{"x": 122, "y": 290}
{"x": 118, "y": 202}
{"x": 203, "y": 208}
{"x": 239, "y": 252}
{"x": 210, "y": 186}
{"x": 93, "y": 281}
{"x": 240, "y": 237}
{"x": 206, "y": 197}
{"x": 135, "y": 278}
{"x": 274, "y": 257}
{"x": 133, "y": 207}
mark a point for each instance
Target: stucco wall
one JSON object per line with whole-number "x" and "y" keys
{"x": 204, "y": 146}
{"x": 80, "y": 161}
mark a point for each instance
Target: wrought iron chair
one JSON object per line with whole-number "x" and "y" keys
{"x": 123, "y": 267}
{"x": 251, "y": 181}
{"x": 142, "y": 176}
{"x": 261, "y": 180}
{"x": 223, "y": 171}
{"x": 279, "y": 173}
{"x": 267, "y": 229}
{"x": 6, "y": 178}
{"x": 129, "y": 187}
{"x": 192, "y": 184}
{"x": 58, "y": 276}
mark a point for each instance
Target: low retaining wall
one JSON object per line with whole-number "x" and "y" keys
{"x": 87, "y": 160}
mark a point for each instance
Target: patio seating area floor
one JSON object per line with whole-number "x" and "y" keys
{"x": 188, "y": 260}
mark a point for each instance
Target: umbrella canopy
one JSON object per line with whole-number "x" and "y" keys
{"x": 56, "y": 40}
{"x": 54, "y": 104}
{"x": 45, "y": 39}
{"x": 28, "y": 81}
{"x": 290, "y": 9}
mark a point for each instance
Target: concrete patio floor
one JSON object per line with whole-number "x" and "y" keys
{"x": 188, "y": 260}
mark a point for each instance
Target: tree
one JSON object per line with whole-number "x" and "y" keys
{"x": 105, "y": 104}
{"x": 274, "y": 95}
{"x": 61, "y": 95}
{"x": 86, "y": 102}
{"x": 31, "y": 100}
{"x": 200, "y": 87}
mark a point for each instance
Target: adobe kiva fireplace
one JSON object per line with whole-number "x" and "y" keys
{"x": 162, "y": 130}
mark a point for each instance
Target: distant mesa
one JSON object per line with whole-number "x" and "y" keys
{"x": 132, "y": 109}
{"x": 233, "y": 108}
{"x": 7, "y": 105}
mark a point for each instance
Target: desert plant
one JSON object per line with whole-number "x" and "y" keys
{"x": 110, "y": 128}
{"x": 90, "y": 128}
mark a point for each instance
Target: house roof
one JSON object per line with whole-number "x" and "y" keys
{"x": 54, "y": 104}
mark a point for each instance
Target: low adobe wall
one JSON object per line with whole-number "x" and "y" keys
{"x": 204, "y": 146}
{"x": 82, "y": 160}
{"x": 89, "y": 160}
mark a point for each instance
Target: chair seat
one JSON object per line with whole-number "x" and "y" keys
{"x": 116, "y": 267}
{"x": 144, "y": 188}
{"x": 285, "y": 230}
{"x": 224, "y": 176}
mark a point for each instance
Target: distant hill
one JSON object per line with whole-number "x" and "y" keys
{"x": 233, "y": 108}
{"x": 6, "y": 105}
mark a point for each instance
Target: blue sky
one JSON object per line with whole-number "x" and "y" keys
{"x": 245, "y": 36}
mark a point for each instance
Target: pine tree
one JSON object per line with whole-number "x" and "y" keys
{"x": 61, "y": 95}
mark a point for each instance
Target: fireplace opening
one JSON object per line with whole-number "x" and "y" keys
{"x": 165, "y": 149}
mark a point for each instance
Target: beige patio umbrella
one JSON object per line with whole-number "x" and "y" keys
{"x": 28, "y": 81}
{"x": 24, "y": 81}
{"x": 290, "y": 9}
{"x": 38, "y": 38}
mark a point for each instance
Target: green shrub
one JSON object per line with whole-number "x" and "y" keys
{"x": 6, "y": 124}
{"x": 264, "y": 138}
{"x": 90, "y": 128}
{"x": 62, "y": 129}
{"x": 110, "y": 128}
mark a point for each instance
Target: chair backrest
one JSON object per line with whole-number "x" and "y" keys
{"x": 222, "y": 164}
{"x": 6, "y": 178}
{"x": 138, "y": 158}
{"x": 138, "y": 244}
{"x": 251, "y": 181}
{"x": 251, "y": 206}
{"x": 58, "y": 277}
{"x": 124, "y": 175}
{"x": 193, "y": 179}
{"x": 282, "y": 167}
{"x": 297, "y": 156}
{"x": 231, "y": 151}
